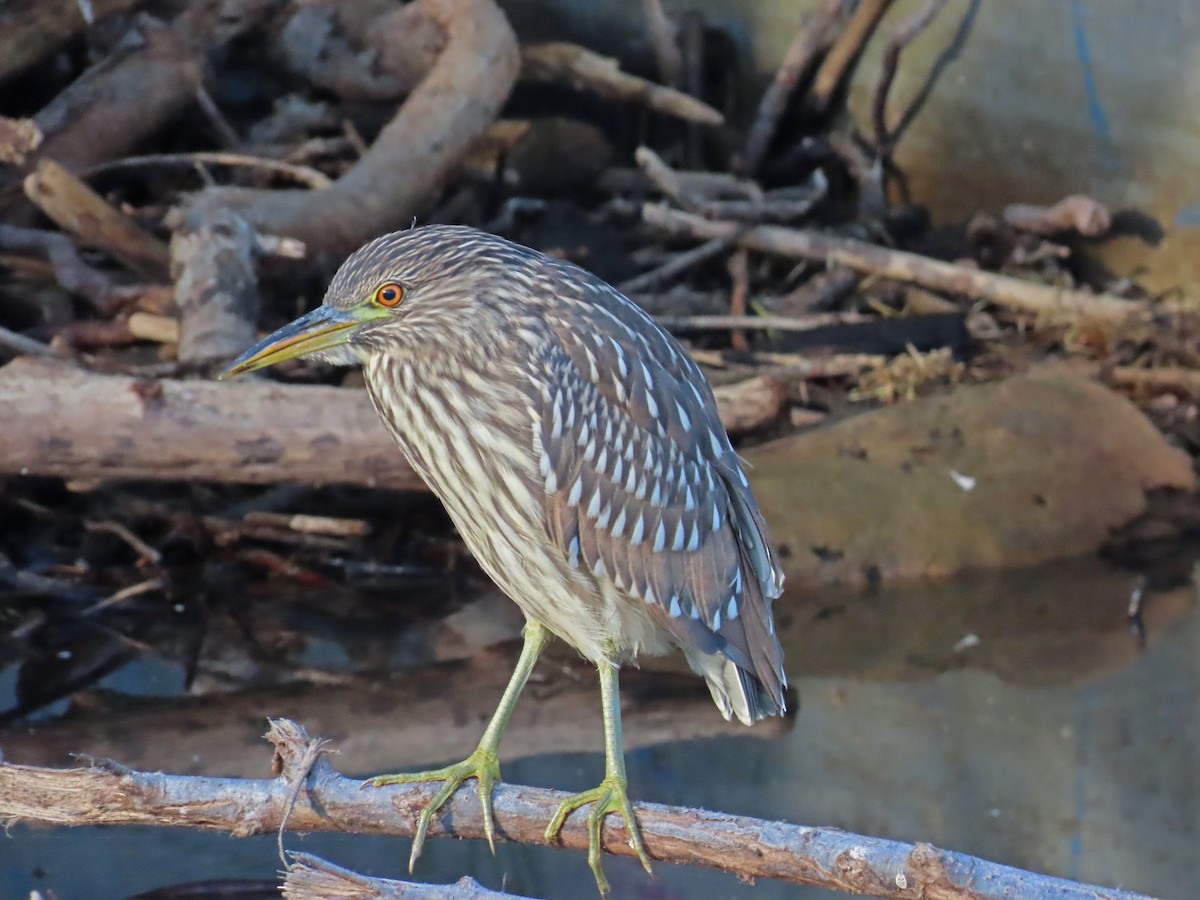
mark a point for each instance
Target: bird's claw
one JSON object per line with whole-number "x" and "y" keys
{"x": 481, "y": 765}
{"x": 610, "y": 796}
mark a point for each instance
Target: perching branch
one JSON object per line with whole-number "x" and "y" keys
{"x": 107, "y": 793}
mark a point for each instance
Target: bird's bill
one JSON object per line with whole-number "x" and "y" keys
{"x": 320, "y": 329}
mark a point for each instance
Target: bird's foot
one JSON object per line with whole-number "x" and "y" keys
{"x": 481, "y": 765}
{"x": 609, "y": 796}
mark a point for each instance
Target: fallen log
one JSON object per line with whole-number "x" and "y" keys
{"x": 62, "y": 420}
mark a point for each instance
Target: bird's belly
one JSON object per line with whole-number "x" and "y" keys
{"x": 513, "y": 547}
{"x": 490, "y": 486}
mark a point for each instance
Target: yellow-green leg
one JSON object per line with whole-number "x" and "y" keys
{"x": 483, "y": 764}
{"x": 611, "y": 795}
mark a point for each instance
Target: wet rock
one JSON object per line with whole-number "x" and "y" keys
{"x": 1035, "y": 468}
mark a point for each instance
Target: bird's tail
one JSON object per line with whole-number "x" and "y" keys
{"x": 736, "y": 691}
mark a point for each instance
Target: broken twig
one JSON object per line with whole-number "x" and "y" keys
{"x": 587, "y": 70}
{"x": 81, "y": 211}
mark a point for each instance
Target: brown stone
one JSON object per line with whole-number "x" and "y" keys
{"x": 1035, "y": 468}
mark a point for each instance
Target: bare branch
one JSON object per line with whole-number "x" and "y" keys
{"x": 904, "y": 35}
{"x": 82, "y": 212}
{"x": 665, "y": 42}
{"x": 810, "y": 40}
{"x": 70, "y": 271}
{"x": 19, "y": 345}
{"x": 32, "y": 29}
{"x": 676, "y": 265}
{"x": 160, "y": 64}
{"x": 108, "y": 793}
{"x": 844, "y": 54}
{"x": 578, "y": 66}
{"x": 1004, "y": 290}
{"x": 426, "y": 139}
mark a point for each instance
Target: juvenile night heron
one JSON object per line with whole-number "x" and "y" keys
{"x": 578, "y": 450}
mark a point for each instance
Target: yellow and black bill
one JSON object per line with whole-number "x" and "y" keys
{"x": 323, "y": 328}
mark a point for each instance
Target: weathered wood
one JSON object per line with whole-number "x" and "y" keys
{"x": 751, "y": 405}
{"x": 216, "y": 287}
{"x": 414, "y": 154}
{"x": 61, "y": 420}
{"x": 84, "y": 213}
{"x": 911, "y": 268}
{"x": 32, "y": 29}
{"x": 583, "y": 69}
{"x": 153, "y": 73}
{"x": 309, "y": 877}
{"x": 327, "y": 801}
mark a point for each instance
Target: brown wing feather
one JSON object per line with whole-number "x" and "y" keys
{"x": 648, "y": 491}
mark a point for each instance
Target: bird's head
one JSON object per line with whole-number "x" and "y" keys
{"x": 391, "y": 286}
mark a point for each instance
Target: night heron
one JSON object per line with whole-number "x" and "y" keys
{"x": 578, "y": 450}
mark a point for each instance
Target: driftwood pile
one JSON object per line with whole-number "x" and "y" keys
{"x": 178, "y": 176}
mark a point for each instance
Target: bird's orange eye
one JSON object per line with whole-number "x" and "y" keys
{"x": 389, "y": 294}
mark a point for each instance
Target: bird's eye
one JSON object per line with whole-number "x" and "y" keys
{"x": 389, "y": 294}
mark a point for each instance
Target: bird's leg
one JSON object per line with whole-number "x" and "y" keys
{"x": 483, "y": 764}
{"x": 611, "y": 795}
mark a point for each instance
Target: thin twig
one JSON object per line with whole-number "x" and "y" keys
{"x": 20, "y": 345}
{"x": 305, "y": 175}
{"x": 904, "y": 35}
{"x": 296, "y": 770}
{"x": 846, "y": 49}
{"x": 692, "y": 28}
{"x": 674, "y": 266}
{"x": 126, "y": 593}
{"x": 761, "y": 323}
{"x": 665, "y": 43}
{"x": 945, "y": 58}
{"x": 791, "y": 365}
{"x": 229, "y": 138}
{"x": 146, "y": 553}
{"x": 70, "y": 271}
{"x": 559, "y": 61}
{"x": 739, "y": 276}
{"x": 693, "y": 191}
{"x": 809, "y": 41}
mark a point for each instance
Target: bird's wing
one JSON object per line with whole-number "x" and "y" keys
{"x": 644, "y": 488}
